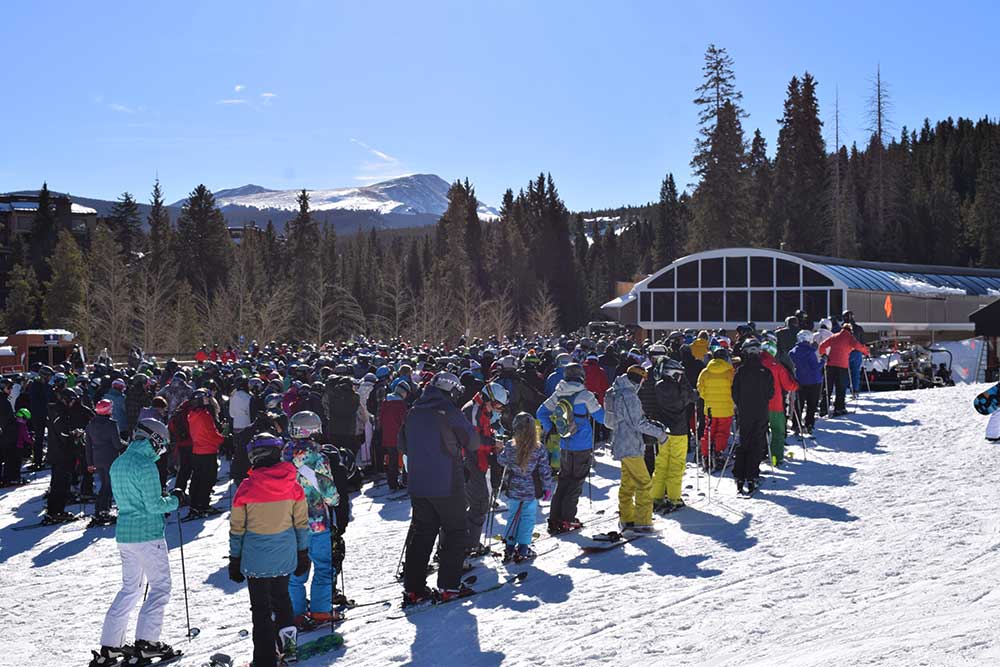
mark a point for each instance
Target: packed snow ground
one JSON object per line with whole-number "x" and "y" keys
{"x": 881, "y": 546}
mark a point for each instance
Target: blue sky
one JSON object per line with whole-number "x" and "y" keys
{"x": 101, "y": 97}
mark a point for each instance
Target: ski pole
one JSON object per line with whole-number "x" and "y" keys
{"x": 402, "y": 554}
{"x": 729, "y": 456}
{"x": 711, "y": 458}
{"x": 802, "y": 437}
{"x": 187, "y": 612}
{"x": 343, "y": 586}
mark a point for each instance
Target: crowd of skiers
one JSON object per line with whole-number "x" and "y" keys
{"x": 303, "y": 426}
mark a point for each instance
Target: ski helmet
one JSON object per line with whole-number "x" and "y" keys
{"x": 103, "y": 407}
{"x": 563, "y": 360}
{"x": 671, "y": 368}
{"x": 23, "y": 413}
{"x": 804, "y": 336}
{"x": 446, "y": 382}
{"x": 574, "y": 373}
{"x": 264, "y": 450}
{"x": 154, "y": 431}
{"x": 199, "y": 397}
{"x": 402, "y": 389}
{"x": 770, "y": 347}
{"x": 751, "y": 347}
{"x": 118, "y": 384}
{"x": 636, "y": 373}
{"x": 273, "y": 402}
{"x": 304, "y": 424}
{"x": 495, "y": 392}
{"x": 826, "y": 323}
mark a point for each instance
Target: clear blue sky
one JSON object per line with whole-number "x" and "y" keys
{"x": 100, "y": 97}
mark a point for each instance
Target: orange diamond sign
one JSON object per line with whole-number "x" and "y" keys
{"x": 888, "y": 306}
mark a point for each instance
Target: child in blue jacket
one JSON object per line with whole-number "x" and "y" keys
{"x": 523, "y": 458}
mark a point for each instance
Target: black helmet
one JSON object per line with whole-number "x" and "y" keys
{"x": 265, "y": 450}
{"x": 751, "y": 347}
{"x": 671, "y": 368}
{"x": 69, "y": 395}
{"x": 199, "y": 397}
{"x": 847, "y": 316}
{"x": 574, "y": 373}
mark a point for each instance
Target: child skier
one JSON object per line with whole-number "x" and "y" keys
{"x": 268, "y": 541}
{"x": 623, "y": 415}
{"x": 321, "y": 497}
{"x": 524, "y": 458}
{"x": 136, "y": 485}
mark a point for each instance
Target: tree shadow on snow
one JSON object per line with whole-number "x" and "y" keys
{"x": 808, "y": 509}
{"x": 660, "y": 557}
{"x": 456, "y": 632}
{"x": 730, "y": 535}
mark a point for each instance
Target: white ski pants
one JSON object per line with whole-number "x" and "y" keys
{"x": 993, "y": 426}
{"x": 141, "y": 562}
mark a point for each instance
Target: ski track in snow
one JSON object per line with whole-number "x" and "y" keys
{"x": 880, "y": 547}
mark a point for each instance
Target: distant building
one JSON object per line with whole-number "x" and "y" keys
{"x": 238, "y": 232}
{"x": 18, "y": 210}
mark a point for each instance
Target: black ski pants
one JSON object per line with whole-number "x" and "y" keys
{"x": 10, "y": 463}
{"x": 103, "y": 503}
{"x": 268, "y": 596}
{"x": 38, "y": 422}
{"x": 204, "y": 471}
{"x": 574, "y": 466}
{"x": 430, "y": 516}
{"x": 59, "y": 483}
{"x": 183, "y": 469}
{"x": 478, "y": 498}
{"x": 808, "y": 399}
{"x": 240, "y": 466}
{"x": 842, "y": 379}
{"x": 753, "y": 445}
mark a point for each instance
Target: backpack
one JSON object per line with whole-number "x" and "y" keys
{"x": 564, "y": 417}
{"x": 343, "y": 406}
{"x": 178, "y": 424}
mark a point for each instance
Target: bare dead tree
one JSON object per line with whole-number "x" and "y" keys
{"x": 543, "y": 314}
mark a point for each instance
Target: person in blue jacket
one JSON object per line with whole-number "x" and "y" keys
{"x": 436, "y": 438}
{"x": 576, "y": 442}
{"x": 809, "y": 375}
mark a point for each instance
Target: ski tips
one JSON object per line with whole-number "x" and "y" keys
{"x": 193, "y": 632}
{"x": 520, "y": 576}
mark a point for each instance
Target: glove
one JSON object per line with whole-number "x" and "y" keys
{"x": 302, "y": 568}
{"x": 234, "y": 570}
{"x": 547, "y": 496}
{"x": 179, "y": 495}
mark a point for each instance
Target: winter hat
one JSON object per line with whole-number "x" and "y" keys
{"x": 103, "y": 407}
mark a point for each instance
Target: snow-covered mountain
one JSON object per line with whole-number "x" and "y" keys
{"x": 406, "y": 195}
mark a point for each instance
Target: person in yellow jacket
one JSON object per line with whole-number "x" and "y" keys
{"x": 699, "y": 346}
{"x": 715, "y": 385}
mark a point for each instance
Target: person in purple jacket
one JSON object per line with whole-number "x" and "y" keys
{"x": 524, "y": 458}
{"x": 809, "y": 375}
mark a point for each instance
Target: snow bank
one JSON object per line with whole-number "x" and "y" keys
{"x": 863, "y": 550}
{"x": 920, "y": 287}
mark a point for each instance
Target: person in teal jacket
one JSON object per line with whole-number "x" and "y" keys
{"x": 135, "y": 482}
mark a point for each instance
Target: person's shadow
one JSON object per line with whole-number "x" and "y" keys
{"x": 459, "y": 633}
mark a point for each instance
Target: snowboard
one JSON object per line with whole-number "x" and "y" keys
{"x": 988, "y": 402}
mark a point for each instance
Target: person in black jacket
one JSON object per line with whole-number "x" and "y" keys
{"x": 753, "y": 387}
{"x": 68, "y": 419}
{"x": 692, "y": 369}
{"x": 10, "y": 457}
{"x": 102, "y": 445}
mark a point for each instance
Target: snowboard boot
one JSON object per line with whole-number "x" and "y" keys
{"x": 108, "y": 655}
{"x": 288, "y": 644}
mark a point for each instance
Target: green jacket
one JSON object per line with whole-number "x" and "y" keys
{"x": 135, "y": 482}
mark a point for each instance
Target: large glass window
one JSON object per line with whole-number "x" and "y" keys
{"x": 836, "y": 302}
{"x": 788, "y": 303}
{"x": 645, "y": 306}
{"x": 687, "y": 306}
{"x": 736, "y": 306}
{"x": 813, "y": 278}
{"x": 762, "y": 307}
{"x": 711, "y": 273}
{"x": 814, "y": 303}
{"x": 711, "y": 306}
{"x": 736, "y": 272}
{"x": 664, "y": 280}
{"x": 687, "y": 275}
{"x": 788, "y": 273}
{"x": 663, "y": 306}
{"x": 761, "y": 272}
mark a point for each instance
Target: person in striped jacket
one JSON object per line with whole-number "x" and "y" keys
{"x": 268, "y": 541}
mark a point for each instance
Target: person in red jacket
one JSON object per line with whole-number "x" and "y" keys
{"x": 391, "y": 415}
{"x": 205, "y": 441}
{"x": 837, "y": 349}
{"x": 783, "y": 383}
{"x": 595, "y": 379}
{"x": 201, "y": 356}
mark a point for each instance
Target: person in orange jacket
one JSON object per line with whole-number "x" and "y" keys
{"x": 837, "y": 349}
{"x": 205, "y": 441}
{"x": 783, "y": 383}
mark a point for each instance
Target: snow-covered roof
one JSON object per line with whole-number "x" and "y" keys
{"x": 79, "y": 209}
{"x": 24, "y": 205}
{"x": 66, "y": 335}
{"x": 7, "y": 351}
{"x": 621, "y": 301}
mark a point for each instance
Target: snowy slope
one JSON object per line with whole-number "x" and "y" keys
{"x": 416, "y": 193}
{"x": 881, "y": 546}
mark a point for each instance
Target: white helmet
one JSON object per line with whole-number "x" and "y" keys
{"x": 826, "y": 323}
{"x": 805, "y": 336}
{"x": 446, "y": 382}
{"x": 494, "y": 391}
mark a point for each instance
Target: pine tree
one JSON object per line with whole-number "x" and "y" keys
{"x": 758, "y": 231}
{"x": 986, "y": 209}
{"x": 64, "y": 292}
{"x": 204, "y": 247}
{"x": 668, "y": 240}
{"x": 43, "y": 235}
{"x": 305, "y": 270}
{"x": 160, "y": 231}
{"x": 801, "y": 195}
{"x": 126, "y": 224}
{"x": 23, "y": 299}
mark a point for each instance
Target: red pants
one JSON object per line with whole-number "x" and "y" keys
{"x": 718, "y": 431}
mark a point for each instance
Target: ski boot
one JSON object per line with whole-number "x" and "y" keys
{"x": 478, "y": 551}
{"x": 146, "y": 652}
{"x": 625, "y": 526}
{"x": 643, "y": 529}
{"x": 414, "y": 598}
{"x": 449, "y": 594}
{"x": 524, "y": 552}
{"x": 509, "y": 553}
{"x": 288, "y": 644}
{"x": 109, "y": 655}
{"x": 739, "y": 488}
